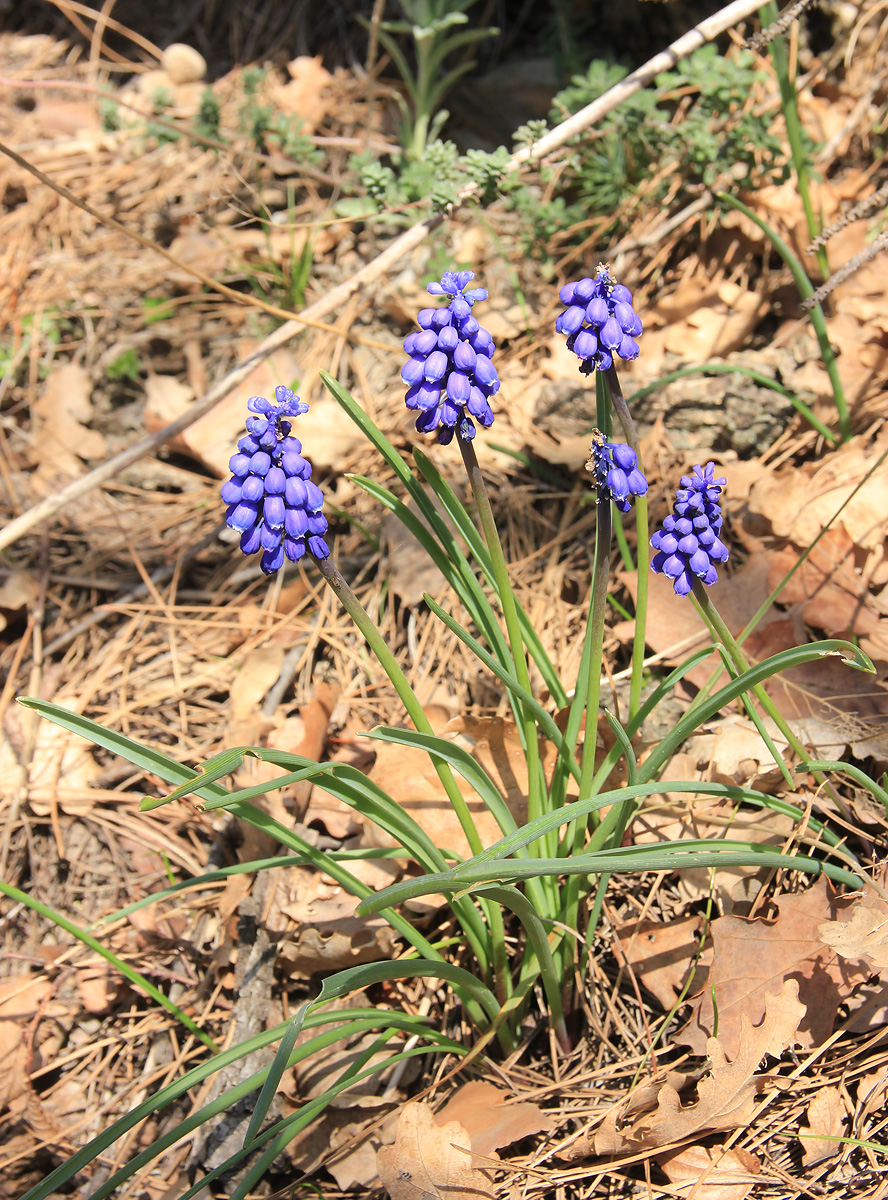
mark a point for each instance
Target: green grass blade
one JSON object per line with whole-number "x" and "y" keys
{"x": 457, "y": 512}
{"x": 787, "y": 659}
{"x": 275, "y": 1074}
{"x": 135, "y": 977}
{"x": 154, "y": 761}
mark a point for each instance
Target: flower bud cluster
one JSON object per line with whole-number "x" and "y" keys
{"x": 614, "y": 467}
{"x": 688, "y": 545}
{"x": 271, "y": 498}
{"x": 599, "y": 321}
{"x": 449, "y": 373}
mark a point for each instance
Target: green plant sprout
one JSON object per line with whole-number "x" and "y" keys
{"x": 430, "y": 23}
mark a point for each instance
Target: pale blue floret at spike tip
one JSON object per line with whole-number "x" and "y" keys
{"x": 599, "y": 321}
{"x": 271, "y": 498}
{"x": 449, "y": 374}
{"x": 688, "y": 546}
{"x": 615, "y": 469}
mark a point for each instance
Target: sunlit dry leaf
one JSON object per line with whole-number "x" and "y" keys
{"x": 61, "y": 767}
{"x": 430, "y": 1161}
{"x": 753, "y": 959}
{"x": 798, "y": 503}
{"x": 726, "y": 1096}
{"x": 409, "y": 777}
{"x": 95, "y": 988}
{"x": 706, "y": 817}
{"x": 490, "y": 1121}
{"x": 211, "y": 439}
{"x": 722, "y": 323}
{"x": 303, "y": 95}
{"x": 711, "y": 1172}
{"x": 20, "y": 1000}
{"x": 861, "y": 933}
{"x": 826, "y": 1115}
{"x": 662, "y": 955}
{"x": 872, "y": 1091}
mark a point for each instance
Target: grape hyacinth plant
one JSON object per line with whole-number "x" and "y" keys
{"x": 599, "y": 321}
{"x": 548, "y": 874}
{"x": 688, "y": 546}
{"x": 615, "y": 469}
{"x": 449, "y": 372}
{"x": 272, "y": 500}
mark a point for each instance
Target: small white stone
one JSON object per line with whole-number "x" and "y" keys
{"x": 183, "y": 63}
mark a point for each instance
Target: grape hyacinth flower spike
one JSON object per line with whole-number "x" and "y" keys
{"x": 614, "y": 468}
{"x": 271, "y": 498}
{"x": 449, "y": 374}
{"x": 599, "y": 321}
{"x": 688, "y": 546}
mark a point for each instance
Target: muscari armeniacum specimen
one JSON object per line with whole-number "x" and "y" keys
{"x": 271, "y": 498}
{"x": 449, "y": 374}
{"x": 688, "y": 546}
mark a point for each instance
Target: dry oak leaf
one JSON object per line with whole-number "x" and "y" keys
{"x": 826, "y": 1115}
{"x": 755, "y": 958}
{"x": 725, "y": 1096}
{"x": 863, "y": 933}
{"x": 711, "y": 1172}
{"x": 482, "y": 1110}
{"x": 661, "y": 955}
{"x": 428, "y": 1161}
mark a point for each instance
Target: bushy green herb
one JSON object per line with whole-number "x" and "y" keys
{"x": 207, "y": 123}
{"x": 125, "y": 366}
{"x": 698, "y": 121}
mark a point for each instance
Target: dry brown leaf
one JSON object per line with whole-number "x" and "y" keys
{"x": 754, "y": 959}
{"x": 826, "y": 1115}
{"x": 60, "y": 436}
{"x": 798, "y": 503}
{"x": 862, "y": 933}
{"x": 872, "y": 1091}
{"x": 721, "y": 324}
{"x": 491, "y": 1123}
{"x": 257, "y": 673}
{"x": 409, "y": 777}
{"x": 61, "y": 767}
{"x": 328, "y": 936}
{"x": 19, "y": 590}
{"x": 711, "y": 1172}
{"x": 661, "y": 954}
{"x": 725, "y": 1096}
{"x": 96, "y": 988}
{"x": 212, "y": 437}
{"x": 302, "y": 96}
{"x": 21, "y": 998}
{"x": 429, "y": 1161}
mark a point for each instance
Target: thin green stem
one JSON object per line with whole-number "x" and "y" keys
{"x": 511, "y": 898}
{"x": 712, "y": 617}
{"x": 466, "y": 911}
{"x": 642, "y": 550}
{"x": 575, "y": 834}
{"x": 536, "y": 794}
{"x": 818, "y": 319}
{"x": 790, "y": 105}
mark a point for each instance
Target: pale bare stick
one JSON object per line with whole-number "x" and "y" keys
{"x": 704, "y": 32}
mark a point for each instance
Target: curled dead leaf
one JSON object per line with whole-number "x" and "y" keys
{"x": 725, "y": 1096}
{"x": 754, "y": 958}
